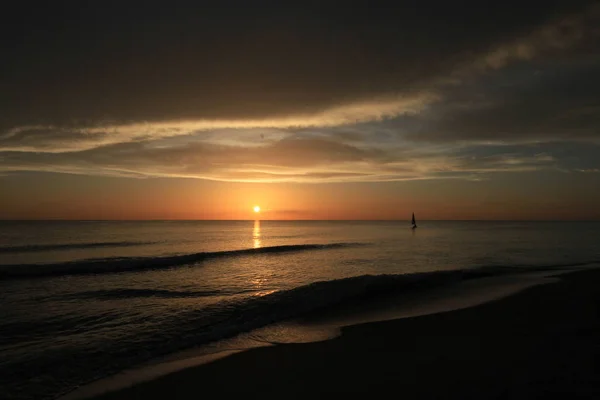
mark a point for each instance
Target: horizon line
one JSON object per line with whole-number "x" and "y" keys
{"x": 289, "y": 220}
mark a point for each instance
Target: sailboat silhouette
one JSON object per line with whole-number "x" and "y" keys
{"x": 414, "y": 222}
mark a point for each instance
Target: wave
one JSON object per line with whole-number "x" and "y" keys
{"x": 128, "y": 293}
{"x": 293, "y": 302}
{"x": 228, "y": 318}
{"x": 131, "y": 293}
{"x": 68, "y": 246}
{"x": 134, "y": 264}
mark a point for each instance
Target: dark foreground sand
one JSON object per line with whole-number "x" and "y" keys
{"x": 541, "y": 343}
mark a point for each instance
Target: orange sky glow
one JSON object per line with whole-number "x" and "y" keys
{"x": 78, "y": 197}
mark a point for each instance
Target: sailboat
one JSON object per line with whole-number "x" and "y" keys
{"x": 414, "y": 223}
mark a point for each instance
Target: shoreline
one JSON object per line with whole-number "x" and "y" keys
{"x": 192, "y": 374}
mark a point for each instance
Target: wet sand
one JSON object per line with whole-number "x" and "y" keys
{"x": 543, "y": 342}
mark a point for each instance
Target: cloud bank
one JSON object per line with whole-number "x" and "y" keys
{"x": 359, "y": 94}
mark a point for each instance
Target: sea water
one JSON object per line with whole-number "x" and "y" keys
{"x": 84, "y": 300}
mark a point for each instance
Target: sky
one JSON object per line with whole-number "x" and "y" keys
{"x": 312, "y": 110}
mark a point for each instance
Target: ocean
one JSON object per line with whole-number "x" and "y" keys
{"x": 84, "y": 300}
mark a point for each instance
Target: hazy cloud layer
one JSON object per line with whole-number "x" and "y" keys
{"x": 306, "y": 92}
{"x": 300, "y": 159}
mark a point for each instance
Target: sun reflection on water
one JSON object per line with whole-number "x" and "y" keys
{"x": 256, "y": 234}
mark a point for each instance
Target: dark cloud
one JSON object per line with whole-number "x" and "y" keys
{"x": 76, "y": 63}
{"x": 313, "y": 91}
{"x": 541, "y": 102}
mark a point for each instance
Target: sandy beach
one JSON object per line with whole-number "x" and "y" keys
{"x": 542, "y": 342}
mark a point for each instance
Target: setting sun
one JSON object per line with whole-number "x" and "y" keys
{"x": 256, "y": 209}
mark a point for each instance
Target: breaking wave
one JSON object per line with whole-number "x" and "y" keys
{"x": 132, "y": 264}
{"x": 226, "y": 318}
